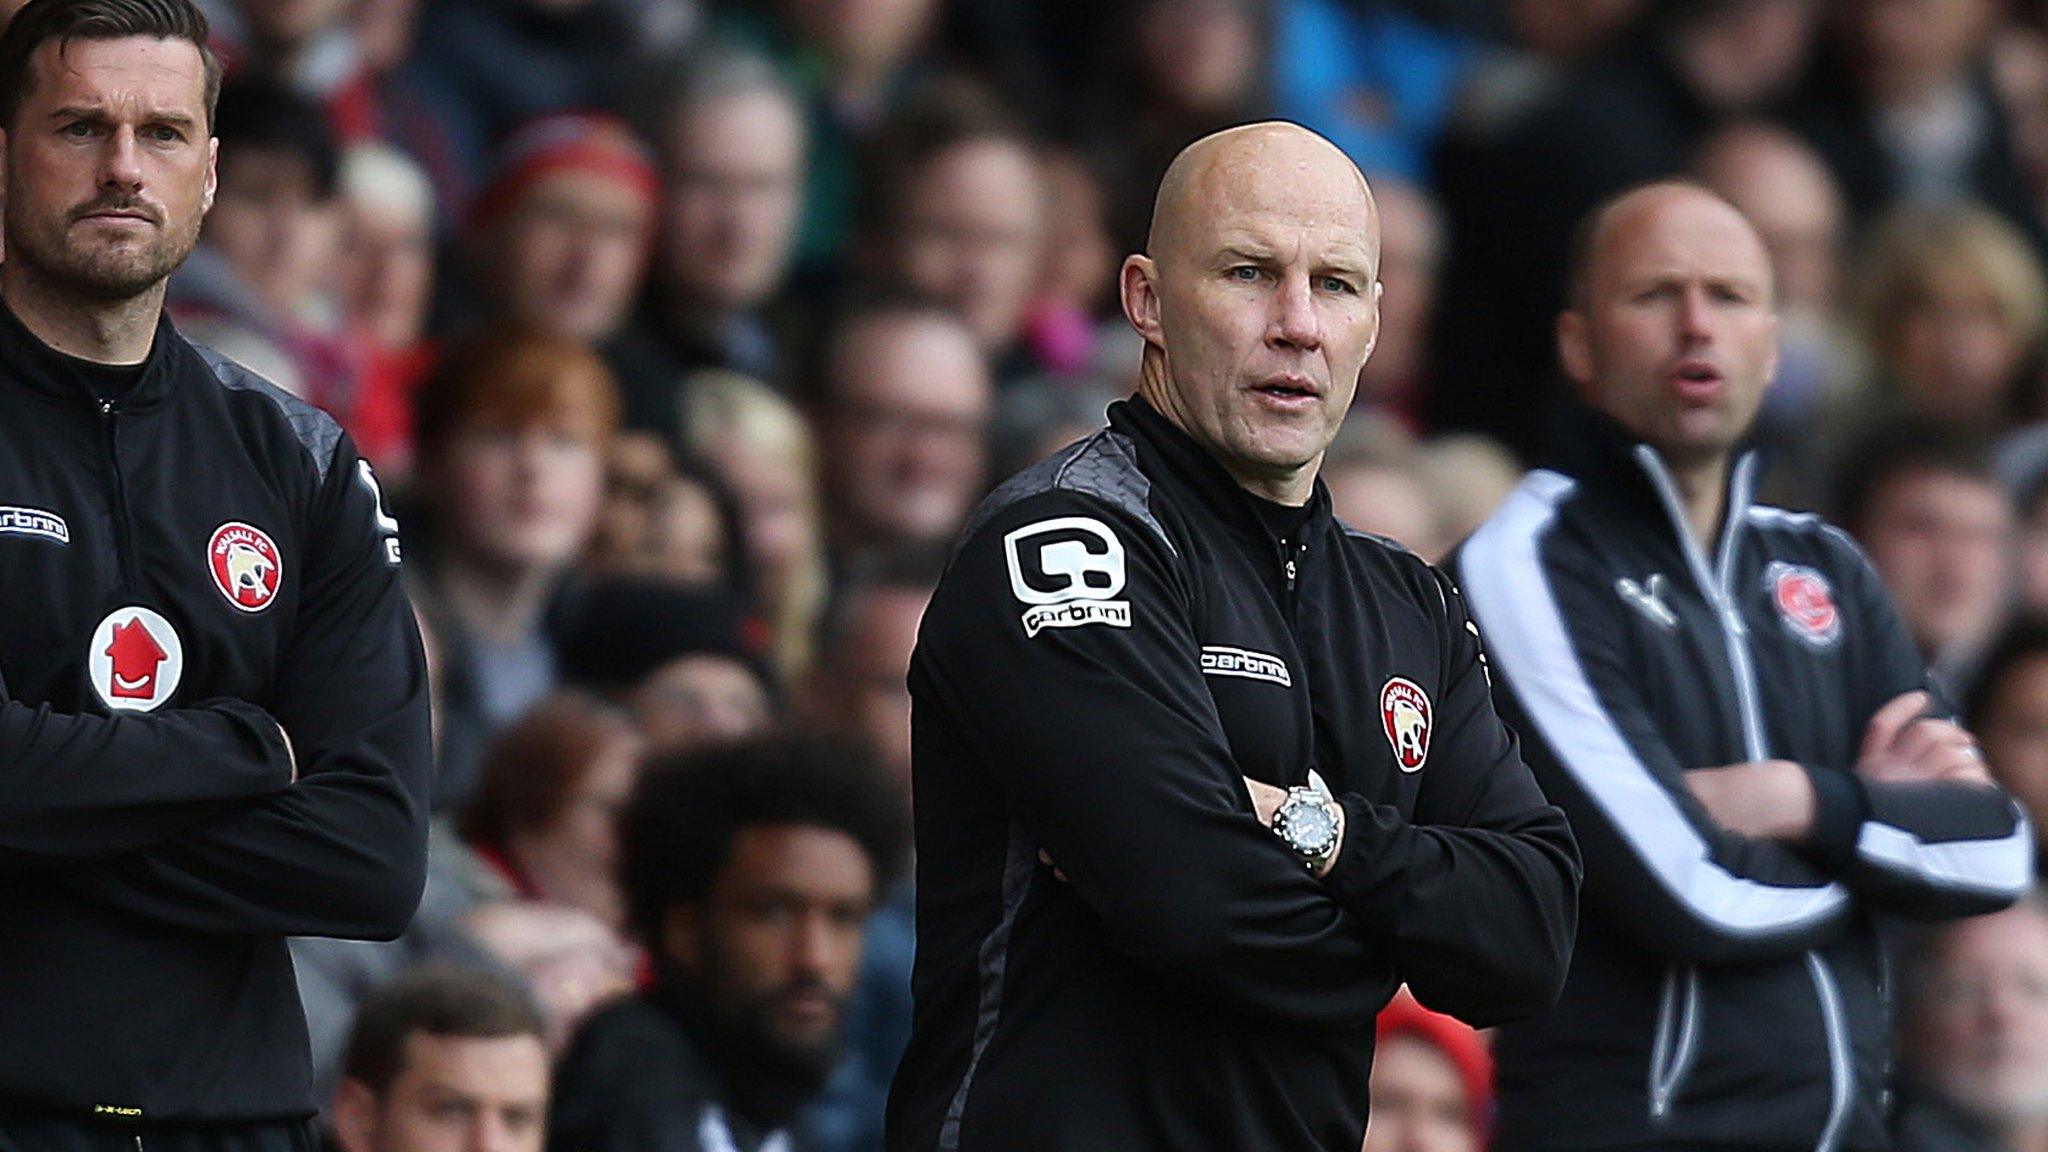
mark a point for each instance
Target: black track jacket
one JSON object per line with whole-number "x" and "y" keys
{"x": 1118, "y": 639}
{"x": 1726, "y": 992}
{"x": 179, "y": 566}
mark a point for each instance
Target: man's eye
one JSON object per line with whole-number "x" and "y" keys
{"x": 79, "y": 130}
{"x": 1244, "y": 273}
{"x": 1337, "y": 284}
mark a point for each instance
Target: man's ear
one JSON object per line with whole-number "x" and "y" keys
{"x": 682, "y": 938}
{"x": 1138, "y": 287}
{"x": 212, "y": 174}
{"x": 1574, "y": 351}
{"x": 355, "y": 1116}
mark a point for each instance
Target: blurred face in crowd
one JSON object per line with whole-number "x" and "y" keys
{"x": 1201, "y": 56}
{"x": 1388, "y": 502}
{"x": 103, "y": 205}
{"x": 386, "y": 269}
{"x": 521, "y": 498}
{"x": 1980, "y": 1035}
{"x": 1418, "y": 1101}
{"x": 1784, "y": 190}
{"x": 1741, "y": 55}
{"x": 1904, "y": 48}
{"x": 906, "y": 447}
{"x": 968, "y": 232}
{"x": 1563, "y": 29}
{"x": 1952, "y": 351}
{"x": 1259, "y": 301}
{"x": 2014, "y": 734}
{"x": 574, "y": 858}
{"x": 275, "y": 226}
{"x": 1076, "y": 256}
{"x": 453, "y": 1094}
{"x": 288, "y": 24}
{"x": 1672, "y": 332}
{"x": 733, "y": 196}
{"x": 862, "y": 682}
{"x": 776, "y": 946}
{"x": 779, "y": 510}
{"x": 569, "y": 255}
{"x": 1943, "y": 543}
{"x": 699, "y": 699}
{"x": 572, "y": 960}
{"x": 865, "y": 38}
{"x": 1411, "y": 244}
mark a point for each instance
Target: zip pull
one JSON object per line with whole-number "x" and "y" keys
{"x": 106, "y": 407}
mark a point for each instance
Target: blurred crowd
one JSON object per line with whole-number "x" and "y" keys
{"x": 685, "y": 334}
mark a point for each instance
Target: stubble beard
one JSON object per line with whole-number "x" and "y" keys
{"x": 101, "y": 272}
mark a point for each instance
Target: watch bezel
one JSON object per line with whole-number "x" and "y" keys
{"x": 1285, "y": 827}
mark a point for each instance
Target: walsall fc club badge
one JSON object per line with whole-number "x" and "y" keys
{"x": 245, "y": 565}
{"x": 1405, "y": 712}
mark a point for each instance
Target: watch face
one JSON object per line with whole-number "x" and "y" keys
{"x": 1310, "y": 828}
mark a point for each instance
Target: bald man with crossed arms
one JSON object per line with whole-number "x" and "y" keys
{"x": 1201, "y": 775}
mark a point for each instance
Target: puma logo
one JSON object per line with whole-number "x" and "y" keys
{"x": 1648, "y": 599}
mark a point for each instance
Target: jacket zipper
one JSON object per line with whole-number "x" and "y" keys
{"x": 1718, "y": 587}
{"x": 1671, "y": 1056}
{"x": 110, "y": 412}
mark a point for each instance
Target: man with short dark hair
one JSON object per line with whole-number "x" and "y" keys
{"x": 1726, "y": 703}
{"x": 749, "y": 870}
{"x": 444, "y": 1059}
{"x": 214, "y": 581}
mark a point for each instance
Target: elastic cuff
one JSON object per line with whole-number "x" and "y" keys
{"x": 1840, "y": 805}
{"x": 1370, "y": 877}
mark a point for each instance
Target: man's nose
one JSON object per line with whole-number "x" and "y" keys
{"x": 121, "y": 160}
{"x": 1295, "y": 322}
{"x": 1695, "y": 316}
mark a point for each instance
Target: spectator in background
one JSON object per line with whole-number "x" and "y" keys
{"x": 547, "y": 800}
{"x": 1514, "y": 183}
{"x": 1064, "y": 330}
{"x": 854, "y": 63}
{"x": 1788, "y": 195}
{"x": 1469, "y": 477}
{"x": 666, "y": 521}
{"x": 1903, "y": 109}
{"x": 730, "y": 134}
{"x": 1374, "y": 473}
{"x": 2008, "y": 709}
{"x": 2032, "y": 591}
{"x": 749, "y": 871}
{"x": 385, "y": 273}
{"x": 1375, "y": 79}
{"x": 258, "y": 286}
{"x": 559, "y": 232}
{"x": 1397, "y": 378}
{"x": 1432, "y": 1082}
{"x": 763, "y": 449}
{"x": 1953, "y": 306}
{"x": 1939, "y": 528}
{"x": 857, "y": 688}
{"x": 1975, "y": 1037}
{"x": 958, "y": 215}
{"x": 904, "y": 413}
{"x": 444, "y": 1059}
{"x": 513, "y": 429}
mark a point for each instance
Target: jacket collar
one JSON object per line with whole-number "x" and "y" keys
{"x": 1194, "y": 469}
{"x": 45, "y": 370}
{"x": 1608, "y": 459}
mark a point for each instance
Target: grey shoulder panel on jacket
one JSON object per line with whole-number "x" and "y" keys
{"x": 316, "y": 431}
{"x": 1105, "y": 466}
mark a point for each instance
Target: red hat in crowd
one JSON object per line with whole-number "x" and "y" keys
{"x": 589, "y": 142}
{"x": 1458, "y": 1041}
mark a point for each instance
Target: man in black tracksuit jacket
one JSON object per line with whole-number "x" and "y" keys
{"x": 213, "y": 732}
{"x": 1114, "y": 950}
{"x": 1650, "y": 627}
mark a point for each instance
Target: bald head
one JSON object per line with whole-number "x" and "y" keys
{"x": 1253, "y": 167}
{"x": 1627, "y": 215}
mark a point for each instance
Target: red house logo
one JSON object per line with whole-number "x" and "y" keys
{"x": 136, "y": 660}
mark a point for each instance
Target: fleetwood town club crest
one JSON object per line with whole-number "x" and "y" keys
{"x": 1805, "y": 602}
{"x": 1405, "y": 712}
{"x": 245, "y": 565}
{"x": 136, "y": 660}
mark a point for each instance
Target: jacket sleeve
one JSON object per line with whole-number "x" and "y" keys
{"x": 1089, "y": 711}
{"x": 343, "y": 851}
{"x": 80, "y": 787}
{"x": 1927, "y": 851}
{"x": 1477, "y": 896}
{"x": 1658, "y": 867}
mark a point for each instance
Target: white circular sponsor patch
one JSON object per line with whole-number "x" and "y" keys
{"x": 136, "y": 660}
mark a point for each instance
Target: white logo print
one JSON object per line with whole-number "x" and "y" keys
{"x": 1070, "y": 570}
{"x": 136, "y": 659}
{"x": 1648, "y": 598}
{"x": 1218, "y": 660}
{"x": 17, "y": 521}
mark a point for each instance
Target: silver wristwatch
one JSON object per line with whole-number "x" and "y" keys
{"x": 1307, "y": 823}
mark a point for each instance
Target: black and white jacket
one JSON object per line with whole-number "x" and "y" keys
{"x": 1123, "y": 634}
{"x": 1725, "y": 991}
